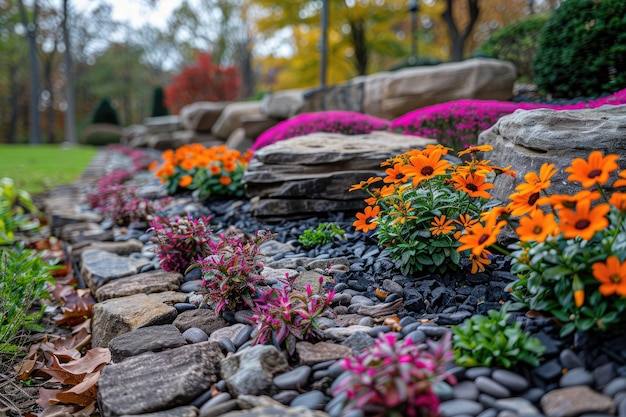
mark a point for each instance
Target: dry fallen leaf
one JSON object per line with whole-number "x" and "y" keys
{"x": 83, "y": 394}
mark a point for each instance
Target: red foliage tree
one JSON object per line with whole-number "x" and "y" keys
{"x": 202, "y": 81}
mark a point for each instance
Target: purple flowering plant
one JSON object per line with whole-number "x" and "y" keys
{"x": 231, "y": 272}
{"x": 181, "y": 241}
{"x": 344, "y": 122}
{"x": 395, "y": 378}
{"x": 286, "y": 315}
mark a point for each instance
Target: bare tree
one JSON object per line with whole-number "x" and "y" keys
{"x": 31, "y": 33}
{"x": 70, "y": 95}
{"x": 457, "y": 36}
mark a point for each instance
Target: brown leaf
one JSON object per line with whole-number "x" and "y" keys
{"x": 45, "y": 396}
{"x": 86, "y": 326}
{"x": 93, "y": 361}
{"x": 83, "y": 394}
{"x": 61, "y": 375}
{"x": 76, "y": 310}
{"x": 25, "y": 368}
{"x": 57, "y": 411}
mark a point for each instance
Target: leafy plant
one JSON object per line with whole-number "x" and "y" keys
{"x": 570, "y": 260}
{"x": 321, "y": 235}
{"x": 215, "y": 171}
{"x": 395, "y": 378}
{"x": 344, "y": 122}
{"x": 23, "y": 279}
{"x": 17, "y": 212}
{"x": 582, "y": 49}
{"x": 202, "y": 81}
{"x": 181, "y": 241}
{"x": 122, "y": 204}
{"x": 105, "y": 113}
{"x": 494, "y": 340}
{"x": 425, "y": 205}
{"x": 231, "y": 271}
{"x": 285, "y": 316}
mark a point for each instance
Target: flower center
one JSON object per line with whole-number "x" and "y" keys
{"x": 537, "y": 229}
{"x": 594, "y": 173}
{"x": 482, "y": 239}
{"x": 399, "y": 176}
{"x": 532, "y": 199}
{"x": 582, "y": 224}
{"x": 427, "y": 170}
{"x": 471, "y": 187}
{"x": 615, "y": 278}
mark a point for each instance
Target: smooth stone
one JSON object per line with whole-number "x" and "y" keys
{"x": 378, "y": 330}
{"x": 361, "y": 300}
{"x": 574, "y": 401}
{"x": 508, "y": 413}
{"x": 226, "y": 345}
{"x": 454, "y": 408}
{"x": 473, "y": 373}
{"x": 193, "y": 275}
{"x": 202, "y": 398}
{"x": 466, "y": 390}
{"x": 195, "y": 335}
{"x": 549, "y": 370}
{"x": 366, "y": 321}
{"x": 180, "y": 307}
{"x": 145, "y": 339}
{"x": 314, "y": 400}
{"x": 443, "y": 390}
{"x": 285, "y": 397}
{"x": 294, "y": 379}
{"x": 490, "y": 412}
{"x": 417, "y": 336}
{"x": 604, "y": 374}
{"x": 521, "y": 405}
{"x": 218, "y": 399}
{"x": 219, "y": 409}
{"x": 615, "y": 386}
{"x": 570, "y": 360}
{"x": 189, "y": 286}
{"x": 323, "y": 365}
{"x": 435, "y": 331}
{"x": 243, "y": 336}
{"x": 510, "y": 380}
{"x": 576, "y": 376}
{"x": 409, "y": 327}
{"x": 533, "y": 394}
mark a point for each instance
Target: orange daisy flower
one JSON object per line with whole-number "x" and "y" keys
{"x": 559, "y": 201}
{"x": 425, "y": 167}
{"x": 622, "y": 181}
{"x": 536, "y": 227}
{"x": 167, "y": 154}
{"x": 363, "y": 184}
{"x": 612, "y": 276}
{"x": 153, "y": 165}
{"x": 474, "y": 149}
{"x": 225, "y": 180}
{"x": 495, "y": 214}
{"x": 584, "y": 221}
{"x": 474, "y": 185}
{"x": 185, "y": 181}
{"x": 366, "y": 221}
{"x": 478, "y": 237}
{"x": 465, "y": 221}
{"x": 536, "y": 182}
{"x": 479, "y": 262}
{"x": 595, "y": 170}
{"x": 436, "y": 148}
{"x": 441, "y": 226}
{"x": 618, "y": 200}
{"x": 505, "y": 170}
{"x": 188, "y": 164}
{"x": 215, "y": 169}
{"x": 387, "y": 190}
{"x": 523, "y": 203}
{"x": 395, "y": 175}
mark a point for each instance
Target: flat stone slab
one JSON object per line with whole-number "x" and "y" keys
{"x": 185, "y": 411}
{"x": 145, "y": 339}
{"x": 99, "y": 267}
{"x": 123, "y": 248}
{"x": 574, "y": 401}
{"x": 144, "y": 283}
{"x": 310, "y": 353}
{"x": 202, "y": 318}
{"x": 154, "y": 382}
{"x": 85, "y": 232}
{"x": 117, "y": 316}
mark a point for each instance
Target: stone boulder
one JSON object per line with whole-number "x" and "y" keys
{"x": 527, "y": 139}
{"x": 230, "y": 119}
{"x": 201, "y": 115}
{"x": 162, "y": 124}
{"x": 346, "y": 97}
{"x": 309, "y": 175}
{"x": 282, "y": 104}
{"x": 373, "y": 94}
{"x": 414, "y": 88}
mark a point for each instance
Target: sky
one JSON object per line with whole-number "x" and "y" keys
{"x": 136, "y": 12}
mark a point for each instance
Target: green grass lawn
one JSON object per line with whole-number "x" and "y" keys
{"x": 38, "y": 168}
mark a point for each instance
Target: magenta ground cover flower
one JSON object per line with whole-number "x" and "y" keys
{"x": 344, "y": 122}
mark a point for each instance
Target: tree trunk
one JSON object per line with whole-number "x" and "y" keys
{"x": 70, "y": 95}
{"x": 245, "y": 66}
{"x": 15, "y": 110}
{"x": 457, "y": 37}
{"x": 47, "y": 77}
{"x": 357, "y": 33}
{"x": 31, "y": 27}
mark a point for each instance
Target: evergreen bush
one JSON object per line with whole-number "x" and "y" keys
{"x": 158, "y": 105}
{"x": 582, "y": 49}
{"x": 105, "y": 113}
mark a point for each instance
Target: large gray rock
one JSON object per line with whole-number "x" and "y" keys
{"x": 202, "y": 318}
{"x": 145, "y": 339}
{"x": 162, "y": 124}
{"x": 201, "y": 115}
{"x": 124, "y": 247}
{"x": 527, "y": 139}
{"x": 311, "y": 174}
{"x": 282, "y": 104}
{"x": 117, "y": 316}
{"x": 574, "y": 401}
{"x": 154, "y": 382}
{"x": 230, "y": 119}
{"x": 347, "y": 96}
{"x": 144, "y": 283}
{"x": 99, "y": 267}
{"x": 478, "y": 78}
{"x": 252, "y": 370}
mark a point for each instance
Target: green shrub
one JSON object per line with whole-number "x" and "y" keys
{"x": 102, "y": 139}
{"x": 517, "y": 43}
{"x": 323, "y": 234}
{"x": 23, "y": 278}
{"x": 158, "y": 107}
{"x": 492, "y": 341}
{"x": 17, "y": 212}
{"x": 582, "y": 49}
{"x": 105, "y": 113}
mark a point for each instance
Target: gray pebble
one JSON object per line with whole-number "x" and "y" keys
{"x": 202, "y": 398}
{"x": 604, "y": 374}
{"x": 406, "y": 329}
{"x": 180, "y": 307}
{"x": 218, "y": 399}
{"x": 570, "y": 360}
{"x": 621, "y": 409}
{"x": 221, "y": 385}
{"x": 534, "y": 394}
{"x": 219, "y": 409}
{"x": 454, "y": 408}
{"x": 323, "y": 365}
{"x": 507, "y": 413}
{"x": 314, "y": 400}
{"x": 510, "y": 380}
{"x": 615, "y": 386}
{"x": 226, "y": 345}
{"x": 189, "y": 286}
{"x": 417, "y": 336}
{"x": 490, "y": 412}
{"x": 285, "y": 397}
{"x": 361, "y": 300}
{"x": 375, "y": 331}
{"x": 576, "y": 376}
{"x": 242, "y": 336}
{"x": 335, "y": 406}
{"x": 521, "y": 405}
{"x": 294, "y": 379}
{"x": 193, "y": 275}
{"x": 473, "y": 373}
{"x": 195, "y": 335}
{"x": 435, "y": 331}
{"x": 443, "y": 390}
{"x": 466, "y": 390}
{"x": 366, "y": 321}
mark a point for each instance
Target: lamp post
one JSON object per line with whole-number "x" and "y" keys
{"x": 413, "y": 8}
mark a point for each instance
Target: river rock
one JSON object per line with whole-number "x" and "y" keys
{"x": 155, "y": 281}
{"x": 527, "y": 139}
{"x": 145, "y": 339}
{"x": 310, "y": 353}
{"x": 117, "y": 316}
{"x": 252, "y": 370}
{"x": 180, "y": 375}
{"x": 574, "y": 401}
